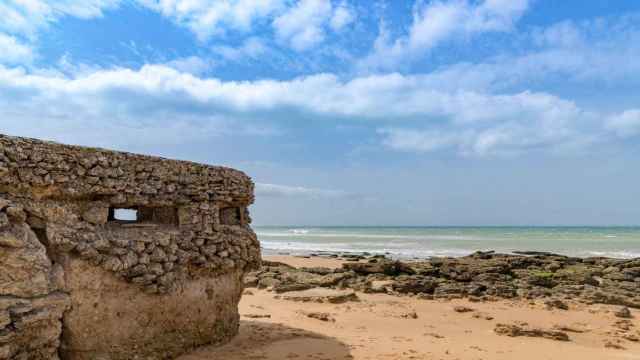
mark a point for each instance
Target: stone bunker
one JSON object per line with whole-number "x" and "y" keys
{"x": 80, "y": 280}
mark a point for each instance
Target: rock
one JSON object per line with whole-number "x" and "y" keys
{"x": 462, "y": 309}
{"x": 479, "y": 277}
{"x": 415, "y": 284}
{"x": 624, "y": 325}
{"x": 321, "y": 296}
{"x": 251, "y": 280}
{"x": 318, "y": 270}
{"x": 282, "y": 288}
{"x": 566, "y": 328}
{"x": 5, "y": 319}
{"x": 535, "y": 253}
{"x": 556, "y": 304}
{"x": 482, "y": 316}
{"x": 542, "y": 278}
{"x": 15, "y": 214}
{"x": 267, "y": 282}
{"x": 267, "y": 263}
{"x": 96, "y": 214}
{"x": 380, "y": 286}
{"x": 516, "y": 330}
{"x": 410, "y": 315}
{"x": 320, "y": 316}
{"x": 383, "y": 267}
{"x": 613, "y": 345}
{"x": 623, "y": 313}
{"x": 257, "y": 316}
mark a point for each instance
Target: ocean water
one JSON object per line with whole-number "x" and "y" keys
{"x": 423, "y": 242}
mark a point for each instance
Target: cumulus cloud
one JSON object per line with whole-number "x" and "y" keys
{"x": 471, "y": 108}
{"x": 12, "y": 51}
{"x": 625, "y": 124}
{"x": 206, "y": 18}
{"x": 438, "y": 21}
{"x": 304, "y": 25}
{"x": 343, "y": 15}
{"x": 474, "y": 122}
{"x": 483, "y": 125}
{"x": 194, "y": 65}
{"x": 21, "y": 21}
{"x": 251, "y": 48}
{"x": 27, "y": 17}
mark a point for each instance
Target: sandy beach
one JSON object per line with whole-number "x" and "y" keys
{"x": 382, "y": 326}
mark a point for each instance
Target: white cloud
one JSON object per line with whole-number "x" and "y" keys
{"x": 192, "y": 64}
{"x": 305, "y": 24}
{"x": 600, "y": 52}
{"x": 12, "y": 51}
{"x": 438, "y": 21}
{"x": 273, "y": 190}
{"x": 421, "y": 112}
{"x": 625, "y": 124}
{"x": 22, "y": 19}
{"x": 27, "y": 17}
{"x": 302, "y": 25}
{"x": 206, "y": 18}
{"x": 482, "y": 125}
{"x": 343, "y": 15}
{"x": 251, "y": 48}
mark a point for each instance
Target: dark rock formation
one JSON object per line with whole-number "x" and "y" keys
{"x": 484, "y": 275}
{"x": 148, "y": 287}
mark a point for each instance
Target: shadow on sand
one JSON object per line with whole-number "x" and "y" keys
{"x": 259, "y": 340}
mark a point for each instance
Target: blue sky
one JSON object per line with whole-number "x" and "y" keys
{"x": 442, "y": 112}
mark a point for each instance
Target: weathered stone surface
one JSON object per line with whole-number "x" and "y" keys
{"x": 202, "y": 311}
{"x": 150, "y": 287}
{"x": 321, "y": 296}
{"x": 623, "y": 313}
{"x": 517, "y": 330}
{"x": 482, "y": 276}
{"x": 31, "y": 307}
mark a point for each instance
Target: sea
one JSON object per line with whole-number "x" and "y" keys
{"x": 425, "y": 242}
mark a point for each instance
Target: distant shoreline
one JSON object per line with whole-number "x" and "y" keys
{"x": 427, "y": 242}
{"x": 336, "y": 255}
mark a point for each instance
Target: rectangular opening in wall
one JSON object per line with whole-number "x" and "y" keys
{"x": 144, "y": 215}
{"x": 123, "y": 215}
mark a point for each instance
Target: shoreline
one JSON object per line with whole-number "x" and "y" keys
{"x": 346, "y": 254}
{"x": 425, "y": 242}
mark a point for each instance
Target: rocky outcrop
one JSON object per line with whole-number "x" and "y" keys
{"x": 77, "y": 280}
{"x": 515, "y": 330}
{"x": 483, "y": 275}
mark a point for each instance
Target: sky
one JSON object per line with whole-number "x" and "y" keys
{"x": 350, "y": 112}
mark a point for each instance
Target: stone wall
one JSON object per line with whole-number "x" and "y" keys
{"x": 152, "y": 286}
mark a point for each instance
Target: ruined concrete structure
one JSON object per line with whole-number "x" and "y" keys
{"x": 76, "y": 282}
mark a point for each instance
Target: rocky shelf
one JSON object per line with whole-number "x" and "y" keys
{"x": 480, "y": 276}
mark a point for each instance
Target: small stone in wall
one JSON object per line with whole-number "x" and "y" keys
{"x": 97, "y": 214}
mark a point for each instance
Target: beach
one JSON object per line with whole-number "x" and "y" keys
{"x": 408, "y": 326}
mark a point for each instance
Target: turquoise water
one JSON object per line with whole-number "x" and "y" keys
{"x": 420, "y": 242}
